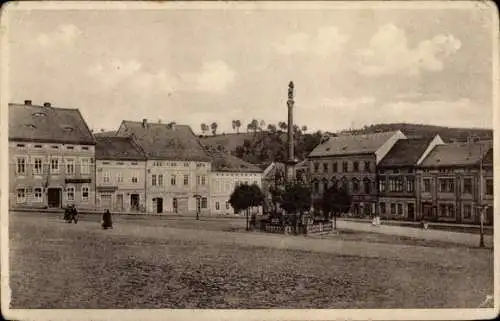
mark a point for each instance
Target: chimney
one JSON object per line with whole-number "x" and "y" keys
{"x": 46, "y": 105}
{"x": 27, "y": 102}
{"x": 144, "y": 123}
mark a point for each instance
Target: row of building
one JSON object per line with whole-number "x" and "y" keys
{"x": 402, "y": 177}
{"x": 156, "y": 168}
{"x": 142, "y": 167}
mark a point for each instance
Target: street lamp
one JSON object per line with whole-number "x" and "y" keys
{"x": 481, "y": 207}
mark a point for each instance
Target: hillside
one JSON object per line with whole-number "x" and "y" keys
{"x": 268, "y": 146}
{"x": 447, "y": 133}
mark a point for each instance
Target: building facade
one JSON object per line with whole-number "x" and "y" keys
{"x": 51, "y": 156}
{"x": 456, "y": 180}
{"x": 350, "y": 161}
{"x": 120, "y": 175}
{"x": 398, "y": 186}
{"x": 227, "y": 173}
{"x": 177, "y": 167}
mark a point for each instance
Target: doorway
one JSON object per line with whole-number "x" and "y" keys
{"x": 54, "y": 197}
{"x": 158, "y": 204}
{"x": 119, "y": 202}
{"x": 427, "y": 212}
{"x": 175, "y": 205}
{"x": 134, "y": 202}
{"x": 198, "y": 205}
{"x": 106, "y": 202}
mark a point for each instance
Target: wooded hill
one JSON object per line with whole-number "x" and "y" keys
{"x": 263, "y": 147}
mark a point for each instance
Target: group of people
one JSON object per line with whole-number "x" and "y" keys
{"x": 71, "y": 215}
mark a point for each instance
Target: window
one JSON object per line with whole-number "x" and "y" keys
{"x": 70, "y": 166}
{"x": 186, "y": 164}
{"x": 172, "y": 180}
{"x": 355, "y": 167}
{"x": 203, "y": 180}
{"x": 382, "y": 208}
{"x": 382, "y": 183}
{"x": 105, "y": 177}
{"x": 84, "y": 166}
{"x": 393, "y": 208}
{"x": 38, "y": 146}
{"x": 446, "y": 185}
{"x": 217, "y": 206}
{"x": 85, "y": 193}
{"x": 400, "y": 209}
{"x": 467, "y": 185}
{"x": 21, "y": 145}
{"x": 467, "y": 211}
{"x": 204, "y": 202}
{"x": 355, "y": 185}
{"x": 85, "y": 148}
{"x": 38, "y": 195}
{"x": 335, "y": 169}
{"x": 489, "y": 187}
{"x": 368, "y": 167}
{"x": 367, "y": 186}
{"x": 396, "y": 184}
{"x": 153, "y": 180}
{"x": 410, "y": 184}
{"x": 160, "y": 180}
{"x": 427, "y": 185}
{"x": 119, "y": 177}
{"x": 55, "y": 147}
{"x": 21, "y": 196}
{"x": 37, "y": 166}
{"x": 447, "y": 210}
{"x": 316, "y": 167}
{"x": 186, "y": 179}
{"x": 70, "y": 193}
{"x": 325, "y": 167}
{"x": 345, "y": 167}
{"x": 70, "y": 147}
{"x": 325, "y": 184}
{"x": 227, "y": 205}
{"x": 198, "y": 180}
{"x": 134, "y": 178}
{"x": 21, "y": 166}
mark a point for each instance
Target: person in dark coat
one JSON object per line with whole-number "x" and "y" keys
{"x": 106, "y": 220}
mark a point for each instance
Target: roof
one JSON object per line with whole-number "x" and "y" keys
{"x": 165, "y": 141}
{"x": 117, "y": 148}
{"x": 406, "y": 152}
{"x": 457, "y": 154}
{"x": 351, "y": 144}
{"x": 48, "y": 124}
{"x": 223, "y": 162}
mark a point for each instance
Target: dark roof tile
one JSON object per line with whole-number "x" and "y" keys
{"x": 457, "y": 154}
{"x": 406, "y": 152}
{"x": 119, "y": 148}
{"x": 48, "y": 124}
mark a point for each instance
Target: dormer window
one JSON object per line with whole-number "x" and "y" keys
{"x": 67, "y": 128}
{"x": 70, "y": 147}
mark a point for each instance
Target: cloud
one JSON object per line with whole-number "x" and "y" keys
{"x": 64, "y": 35}
{"x": 388, "y": 53}
{"x": 326, "y": 41}
{"x": 213, "y": 77}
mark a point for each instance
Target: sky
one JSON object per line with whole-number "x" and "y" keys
{"x": 351, "y": 66}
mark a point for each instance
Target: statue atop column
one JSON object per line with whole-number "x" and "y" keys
{"x": 290, "y": 90}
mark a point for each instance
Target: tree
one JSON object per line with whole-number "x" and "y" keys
{"x": 245, "y": 197}
{"x": 335, "y": 201}
{"x": 237, "y": 124}
{"x": 204, "y": 128}
{"x": 296, "y": 198}
{"x": 213, "y": 126}
{"x": 272, "y": 128}
{"x": 304, "y": 128}
{"x": 262, "y": 125}
{"x": 283, "y": 125}
{"x": 253, "y": 126}
{"x": 233, "y": 123}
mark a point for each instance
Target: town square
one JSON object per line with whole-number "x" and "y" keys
{"x": 340, "y": 159}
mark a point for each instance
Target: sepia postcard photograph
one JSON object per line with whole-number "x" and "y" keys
{"x": 253, "y": 160}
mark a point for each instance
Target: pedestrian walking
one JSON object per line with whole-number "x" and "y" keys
{"x": 106, "y": 220}
{"x": 74, "y": 214}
